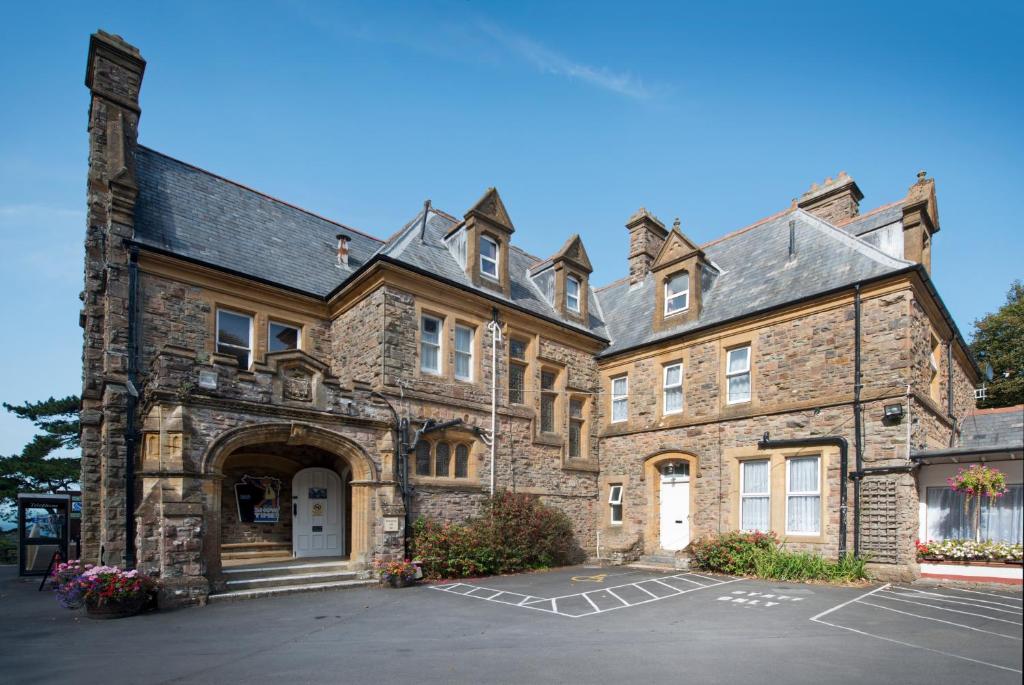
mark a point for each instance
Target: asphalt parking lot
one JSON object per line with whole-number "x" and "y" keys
{"x": 576, "y": 625}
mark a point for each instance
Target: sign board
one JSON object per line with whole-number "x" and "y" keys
{"x": 258, "y": 499}
{"x": 391, "y": 524}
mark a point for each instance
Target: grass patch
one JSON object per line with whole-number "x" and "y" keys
{"x": 761, "y": 555}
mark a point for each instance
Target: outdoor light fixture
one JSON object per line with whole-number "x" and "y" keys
{"x": 893, "y": 412}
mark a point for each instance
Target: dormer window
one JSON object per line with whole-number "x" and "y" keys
{"x": 488, "y": 257}
{"x": 677, "y": 293}
{"x": 572, "y": 294}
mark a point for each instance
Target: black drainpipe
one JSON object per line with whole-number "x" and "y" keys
{"x": 767, "y": 444}
{"x": 130, "y": 434}
{"x": 857, "y": 441}
{"x": 400, "y": 435}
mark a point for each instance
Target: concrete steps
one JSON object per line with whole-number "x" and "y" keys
{"x": 256, "y": 551}
{"x": 663, "y": 561}
{"x": 295, "y": 575}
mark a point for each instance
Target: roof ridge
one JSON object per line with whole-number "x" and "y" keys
{"x": 524, "y": 252}
{"x": 261, "y": 193}
{"x": 865, "y": 215}
{"x": 752, "y": 226}
{"x": 612, "y": 284}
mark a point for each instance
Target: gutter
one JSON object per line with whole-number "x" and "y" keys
{"x": 836, "y": 440}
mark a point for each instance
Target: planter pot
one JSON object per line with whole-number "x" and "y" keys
{"x": 114, "y": 608}
{"x": 401, "y": 581}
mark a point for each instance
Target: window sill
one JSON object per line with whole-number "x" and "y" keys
{"x": 553, "y": 439}
{"x": 581, "y": 464}
{"x": 446, "y": 483}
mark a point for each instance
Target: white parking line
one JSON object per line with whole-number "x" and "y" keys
{"x": 946, "y": 598}
{"x": 848, "y": 602}
{"x": 939, "y": 620}
{"x": 550, "y": 605}
{"x": 988, "y": 594}
{"x": 893, "y": 597}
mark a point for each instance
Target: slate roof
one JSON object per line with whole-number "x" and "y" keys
{"x": 883, "y": 216}
{"x": 190, "y": 212}
{"x": 755, "y": 274}
{"x": 988, "y": 428}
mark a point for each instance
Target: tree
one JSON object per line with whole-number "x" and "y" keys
{"x": 37, "y": 468}
{"x": 999, "y": 341}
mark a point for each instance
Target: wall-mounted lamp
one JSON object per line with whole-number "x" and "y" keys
{"x": 893, "y": 412}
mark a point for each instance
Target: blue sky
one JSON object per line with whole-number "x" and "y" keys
{"x": 718, "y": 113}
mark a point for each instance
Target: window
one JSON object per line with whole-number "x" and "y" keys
{"x": 488, "y": 257}
{"x": 461, "y": 461}
{"x": 672, "y": 389}
{"x": 677, "y": 293}
{"x": 548, "y": 396}
{"x": 803, "y": 496}
{"x": 430, "y": 344}
{"x": 423, "y": 458}
{"x": 516, "y": 371}
{"x": 615, "y": 504}
{"x": 234, "y": 336}
{"x": 1000, "y": 520}
{"x": 464, "y": 353}
{"x": 281, "y": 336}
{"x": 576, "y": 432}
{"x": 755, "y": 495}
{"x": 442, "y": 459}
{"x": 572, "y": 294}
{"x": 620, "y": 399}
{"x": 738, "y": 375}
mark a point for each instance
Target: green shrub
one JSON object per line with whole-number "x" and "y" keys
{"x": 760, "y": 555}
{"x": 513, "y": 533}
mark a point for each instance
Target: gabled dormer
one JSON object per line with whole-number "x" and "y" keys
{"x": 488, "y": 232}
{"x": 677, "y": 280}
{"x": 572, "y": 270}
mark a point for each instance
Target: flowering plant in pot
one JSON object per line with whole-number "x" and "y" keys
{"x": 111, "y": 592}
{"x": 65, "y": 583}
{"x": 976, "y": 482}
{"x": 398, "y": 573}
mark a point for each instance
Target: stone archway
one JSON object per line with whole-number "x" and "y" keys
{"x": 364, "y": 478}
{"x": 652, "y": 465}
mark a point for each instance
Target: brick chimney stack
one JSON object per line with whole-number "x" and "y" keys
{"x": 836, "y": 200}
{"x": 646, "y": 236}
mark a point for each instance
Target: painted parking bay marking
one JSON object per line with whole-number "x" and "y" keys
{"x": 749, "y": 598}
{"x": 599, "y": 578}
{"x": 593, "y": 601}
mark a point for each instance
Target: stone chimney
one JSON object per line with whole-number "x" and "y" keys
{"x": 920, "y": 221}
{"x": 114, "y": 77}
{"x": 836, "y": 200}
{"x": 646, "y": 236}
{"x": 343, "y": 249}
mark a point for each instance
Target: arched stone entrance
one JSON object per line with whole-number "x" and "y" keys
{"x": 280, "y": 450}
{"x": 669, "y": 474}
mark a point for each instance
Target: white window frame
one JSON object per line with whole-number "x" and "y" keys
{"x": 460, "y": 353}
{"x": 484, "y": 259}
{"x": 809, "y": 493}
{"x": 622, "y": 397}
{"x": 758, "y": 495}
{"x": 733, "y": 374}
{"x": 297, "y": 329}
{"x": 572, "y": 300}
{"x": 217, "y": 343}
{"x": 665, "y": 387}
{"x": 439, "y": 345}
{"x": 615, "y": 504}
{"x": 670, "y": 295}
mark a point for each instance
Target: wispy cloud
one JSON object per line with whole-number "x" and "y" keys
{"x": 548, "y": 61}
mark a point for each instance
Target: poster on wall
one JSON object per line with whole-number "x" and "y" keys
{"x": 258, "y": 499}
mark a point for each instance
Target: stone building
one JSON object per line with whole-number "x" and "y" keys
{"x": 259, "y": 380}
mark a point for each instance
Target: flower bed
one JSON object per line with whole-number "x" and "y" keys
{"x": 964, "y": 551}
{"x": 105, "y": 591}
{"x": 761, "y": 555}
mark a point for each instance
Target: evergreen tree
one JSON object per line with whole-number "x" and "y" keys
{"x": 35, "y": 470}
{"x": 999, "y": 341}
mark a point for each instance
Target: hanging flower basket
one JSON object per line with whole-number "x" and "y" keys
{"x": 977, "y": 482}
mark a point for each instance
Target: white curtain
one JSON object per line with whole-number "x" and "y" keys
{"x": 1001, "y": 520}
{"x": 673, "y": 389}
{"x": 739, "y": 374}
{"x": 463, "y": 351}
{"x": 804, "y": 510}
{"x": 755, "y": 502}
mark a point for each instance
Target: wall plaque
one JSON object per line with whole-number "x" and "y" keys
{"x": 392, "y": 524}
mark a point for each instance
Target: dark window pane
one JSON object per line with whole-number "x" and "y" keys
{"x": 461, "y": 461}
{"x": 547, "y": 413}
{"x": 442, "y": 454}
{"x": 517, "y": 349}
{"x": 547, "y": 380}
{"x": 575, "y": 438}
{"x": 516, "y": 382}
{"x": 576, "y": 409}
{"x": 283, "y": 337}
{"x": 423, "y": 459}
{"x": 233, "y": 329}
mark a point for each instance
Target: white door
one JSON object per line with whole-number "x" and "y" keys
{"x": 317, "y": 514}
{"x": 675, "y": 505}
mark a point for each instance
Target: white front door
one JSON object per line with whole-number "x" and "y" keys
{"x": 675, "y": 505}
{"x": 317, "y": 514}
